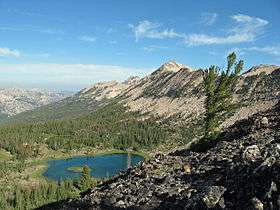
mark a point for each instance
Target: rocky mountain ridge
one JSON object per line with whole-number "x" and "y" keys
{"x": 172, "y": 91}
{"x": 177, "y": 90}
{"x": 107, "y": 90}
{"x": 262, "y": 68}
{"x": 81, "y": 103}
{"x": 180, "y": 93}
{"x": 14, "y": 100}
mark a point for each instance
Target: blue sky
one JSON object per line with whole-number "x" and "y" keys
{"x": 71, "y": 44}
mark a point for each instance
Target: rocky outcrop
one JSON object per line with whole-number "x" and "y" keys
{"x": 241, "y": 171}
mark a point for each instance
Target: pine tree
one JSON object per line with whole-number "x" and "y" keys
{"x": 219, "y": 87}
{"x": 85, "y": 181}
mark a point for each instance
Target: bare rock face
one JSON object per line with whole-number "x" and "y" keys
{"x": 107, "y": 90}
{"x": 14, "y": 101}
{"x": 172, "y": 89}
{"x": 171, "y": 66}
{"x": 257, "y": 70}
{"x": 177, "y": 90}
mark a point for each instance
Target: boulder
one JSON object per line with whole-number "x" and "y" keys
{"x": 257, "y": 204}
{"x": 252, "y": 154}
{"x": 213, "y": 195}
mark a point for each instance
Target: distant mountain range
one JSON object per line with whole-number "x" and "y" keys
{"x": 14, "y": 101}
{"x": 172, "y": 91}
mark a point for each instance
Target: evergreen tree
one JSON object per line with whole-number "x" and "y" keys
{"x": 219, "y": 87}
{"x": 85, "y": 181}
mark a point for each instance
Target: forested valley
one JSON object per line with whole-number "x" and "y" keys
{"x": 111, "y": 127}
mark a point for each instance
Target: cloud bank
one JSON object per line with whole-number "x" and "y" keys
{"x": 147, "y": 29}
{"x": 7, "y": 52}
{"x": 244, "y": 29}
{"x": 64, "y": 76}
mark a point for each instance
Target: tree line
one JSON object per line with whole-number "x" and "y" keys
{"x": 109, "y": 127}
{"x": 26, "y": 198}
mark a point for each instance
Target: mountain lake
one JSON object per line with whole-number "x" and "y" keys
{"x": 101, "y": 166}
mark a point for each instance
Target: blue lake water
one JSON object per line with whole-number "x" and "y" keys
{"x": 102, "y": 166}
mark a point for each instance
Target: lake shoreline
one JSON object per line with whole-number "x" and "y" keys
{"x": 62, "y": 156}
{"x": 103, "y": 166}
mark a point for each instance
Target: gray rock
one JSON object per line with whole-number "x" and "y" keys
{"x": 264, "y": 121}
{"x": 252, "y": 153}
{"x": 257, "y": 204}
{"x": 120, "y": 203}
{"x": 273, "y": 188}
{"x": 213, "y": 196}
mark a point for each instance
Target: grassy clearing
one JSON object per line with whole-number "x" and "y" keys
{"x": 38, "y": 171}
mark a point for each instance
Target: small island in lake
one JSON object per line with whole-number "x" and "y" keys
{"x": 76, "y": 169}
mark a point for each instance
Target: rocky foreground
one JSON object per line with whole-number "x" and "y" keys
{"x": 242, "y": 171}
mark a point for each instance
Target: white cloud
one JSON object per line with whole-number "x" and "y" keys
{"x": 147, "y": 29}
{"x": 49, "y": 31}
{"x": 209, "y": 18}
{"x": 148, "y": 49}
{"x": 153, "y": 48}
{"x": 34, "y": 29}
{"x": 87, "y": 38}
{"x": 7, "y": 52}
{"x": 272, "y": 50}
{"x": 10, "y": 29}
{"x": 246, "y": 29}
{"x": 247, "y": 24}
{"x": 64, "y": 76}
{"x": 204, "y": 39}
{"x": 25, "y": 13}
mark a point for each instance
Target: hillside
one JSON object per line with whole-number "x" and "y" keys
{"x": 240, "y": 172}
{"x": 180, "y": 93}
{"x": 82, "y": 103}
{"x": 172, "y": 91}
{"x": 172, "y": 97}
{"x": 15, "y": 101}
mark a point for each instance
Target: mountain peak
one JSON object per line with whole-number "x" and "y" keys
{"x": 172, "y": 66}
